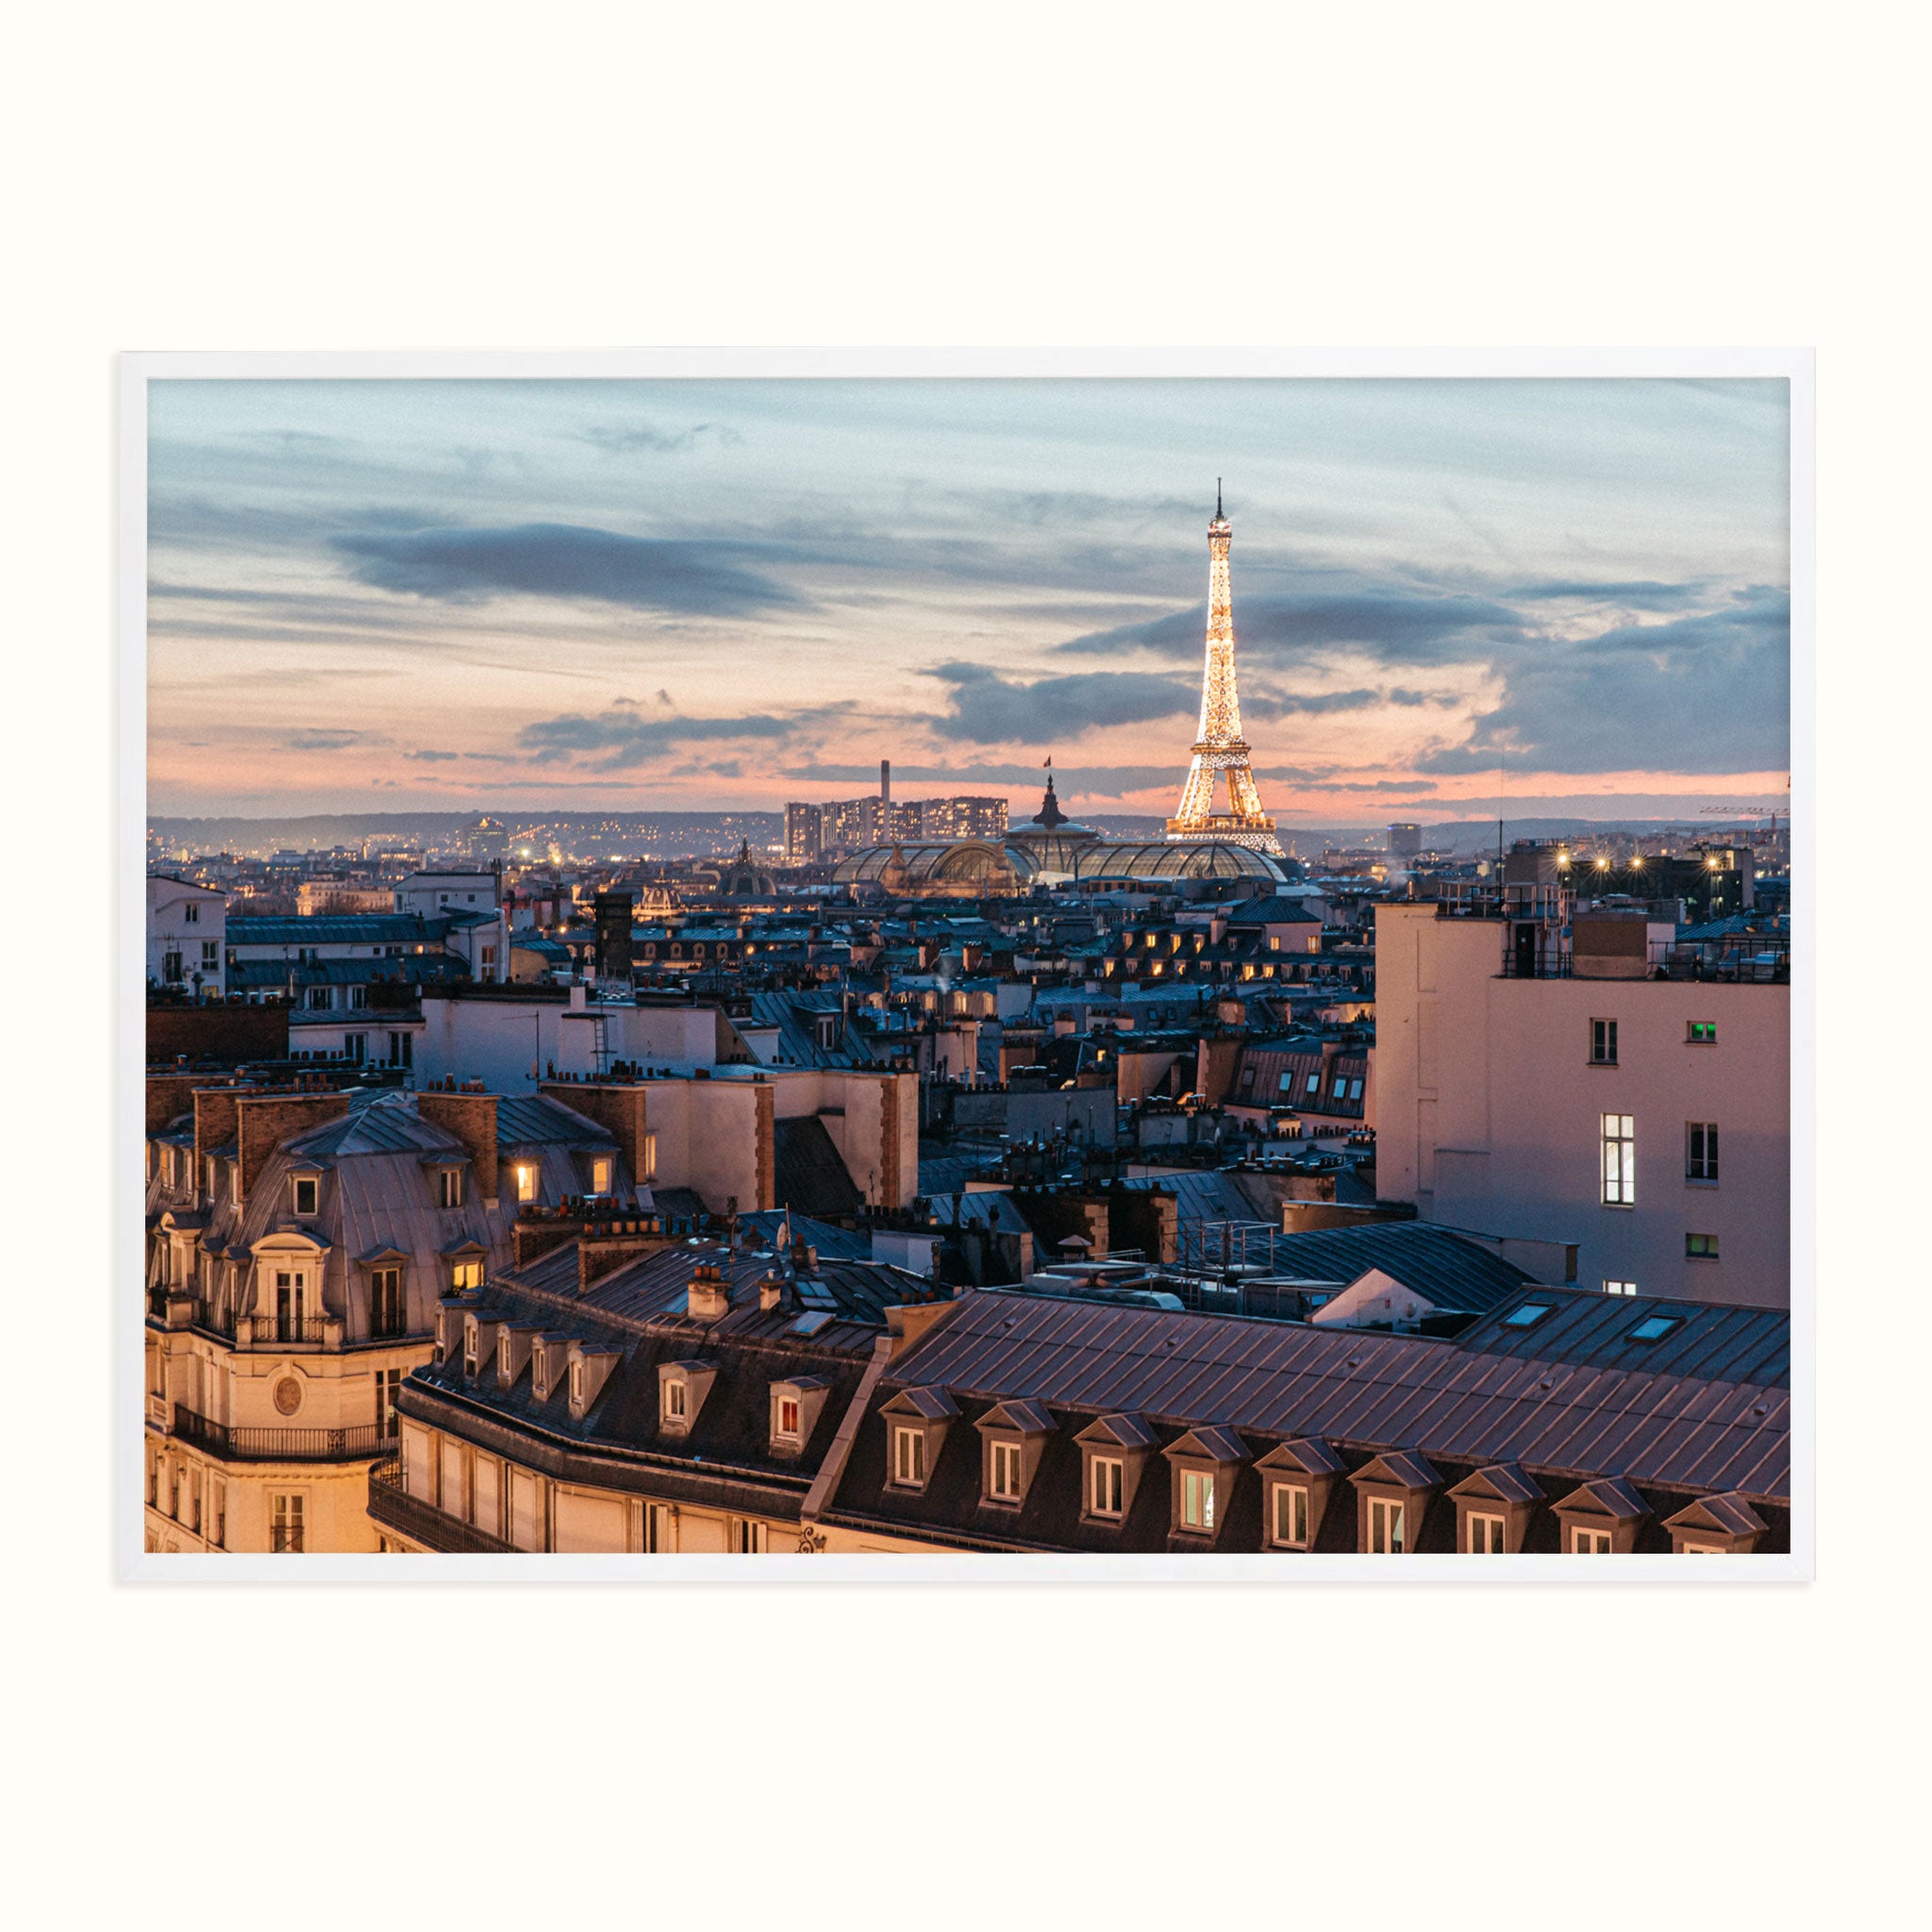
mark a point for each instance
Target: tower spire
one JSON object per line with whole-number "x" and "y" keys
{"x": 1219, "y": 747}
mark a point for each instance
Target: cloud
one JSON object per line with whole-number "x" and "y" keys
{"x": 625, "y": 739}
{"x": 987, "y": 709}
{"x": 1704, "y": 693}
{"x": 1395, "y": 626}
{"x": 317, "y": 740}
{"x": 433, "y": 758}
{"x": 627, "y": 439}
{"x": 462, "y": 566}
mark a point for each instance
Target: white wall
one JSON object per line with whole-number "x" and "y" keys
{"x": 1490, "y": 1112}
{"x": 191, "y": 921}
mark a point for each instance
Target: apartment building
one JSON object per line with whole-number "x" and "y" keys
{"x": 1563, "y": 1423}
{"x": 299, "y": 1243}
{"x": 1583, "y": 1093}
{"x": 186, "y": 936}
{"x": 687, "y": 1399}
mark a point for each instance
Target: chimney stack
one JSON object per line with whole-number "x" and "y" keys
{"x": 709, "y": 1297}
{"x": 471, "y": 1116}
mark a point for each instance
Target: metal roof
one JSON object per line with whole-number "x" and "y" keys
{"x": 1590, "y": 1329}
{"x": 1447, "y": 1401}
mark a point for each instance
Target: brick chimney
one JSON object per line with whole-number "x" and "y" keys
{"x": 710, "y": 1299}
{"x": 214, "y": 1119}
{"x": 471, "y": 1116}
{"x": 621, "y": 1107}
{"x": 264, "y": 1120}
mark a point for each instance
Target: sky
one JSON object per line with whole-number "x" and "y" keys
{"x": 1571, "y": 597}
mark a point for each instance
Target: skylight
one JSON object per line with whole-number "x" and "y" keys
{"x": 1526, "y": 1316}
{"x": 1655, "y": 1329}
{"x": 809, "y": 1324}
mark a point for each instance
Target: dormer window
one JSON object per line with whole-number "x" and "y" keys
{"x": 908, "y": 1458}
{"x": 449, "y": 1187}
{"x": 1005, "y": 1485}
{"x": 464, "y": 1276}
{"x": 675, "y": 1408}
{"x": 306, "y": 1190}
{"x": 1388, "y": 1526}
{"x": 788, "y": 1417}
{"x": 526, "y": 1181}
{"x": 1289, "y": 1515}
{"x": 577, "y": 1384}
{"x": 1106, "y": 1485}
{"x": 1197, "y": 1499}
{"x": 600, "y": 1174}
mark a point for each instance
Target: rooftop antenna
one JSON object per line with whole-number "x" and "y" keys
{"x": 1217, "y": 499}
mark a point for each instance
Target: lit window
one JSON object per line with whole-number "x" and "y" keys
{"x": 1006, "y": 1471}
{"x": 1485, "y": 1535}
{"x": 788, "y": 1415}
{"x": 600, "y": 1176}
{"x": 1590, "y": 1542}
{"x": 1699, "y": 1150}
{"x": 305, "y": 1195}
{"x": 1620, "y": 1159}
{"x": 1620, "y": 1287}
{"x": 1385, "y": 1527}
{"x": 1106, "y": 1486}
{"x": 1197, "y": 1498}
{"x": 908, "y": 1457}
{"x": 1603, "y": 1043}
{"x": 464, "y": 1276}
{"x": 527, "y": 1183}
{"x": 1702, "y": 1033}
{"x": 1700, "y": 1247}
{"x": 1291, "y": 1516}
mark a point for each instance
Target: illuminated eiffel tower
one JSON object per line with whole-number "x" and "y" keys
{"x": 1218, "y": 745}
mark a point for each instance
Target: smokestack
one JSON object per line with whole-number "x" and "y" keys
{"x": 884, "y": 781}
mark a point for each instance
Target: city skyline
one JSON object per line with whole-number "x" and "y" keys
{"x": 1568, "y": 595}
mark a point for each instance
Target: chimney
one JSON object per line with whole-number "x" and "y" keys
{"x": 620, "y": 1107}
{"x": 710, "y": 1299}
{"x": 264, "y": 1120}
{"x": 471, "y": 1116}
{"x": 214, "y": 1120}
{"x": 771, "y": 1293}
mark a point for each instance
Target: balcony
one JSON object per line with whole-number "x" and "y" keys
{"x": 280, "y": 1445}
{"x": 289, "y": 1331}
{"x": 392, "y": 1506}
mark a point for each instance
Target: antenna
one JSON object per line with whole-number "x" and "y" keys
{"x": 1217, "y": 499}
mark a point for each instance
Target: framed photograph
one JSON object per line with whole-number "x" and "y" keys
{"x": 1075, "y": 965}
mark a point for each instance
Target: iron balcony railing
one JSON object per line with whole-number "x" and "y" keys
{"x": 271, "y": 1330}
{"x": 281, "y": 1445}
{"x": 392, "y": 1506}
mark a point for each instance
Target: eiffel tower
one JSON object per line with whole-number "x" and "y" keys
{"x": 1218, "y": 745}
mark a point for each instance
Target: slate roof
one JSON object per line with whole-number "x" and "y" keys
{"x": 1588, "y": 1330}
{"x": 1458, "y": 1274}
{"x": 1449, "y": 1402}
{"x": 808, "y": 1171}
{"x": 339, "y": 930}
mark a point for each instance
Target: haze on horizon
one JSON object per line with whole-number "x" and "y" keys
{"x": 708, "y": 596}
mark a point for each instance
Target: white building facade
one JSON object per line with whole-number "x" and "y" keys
{"x": 186, "y": 936}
